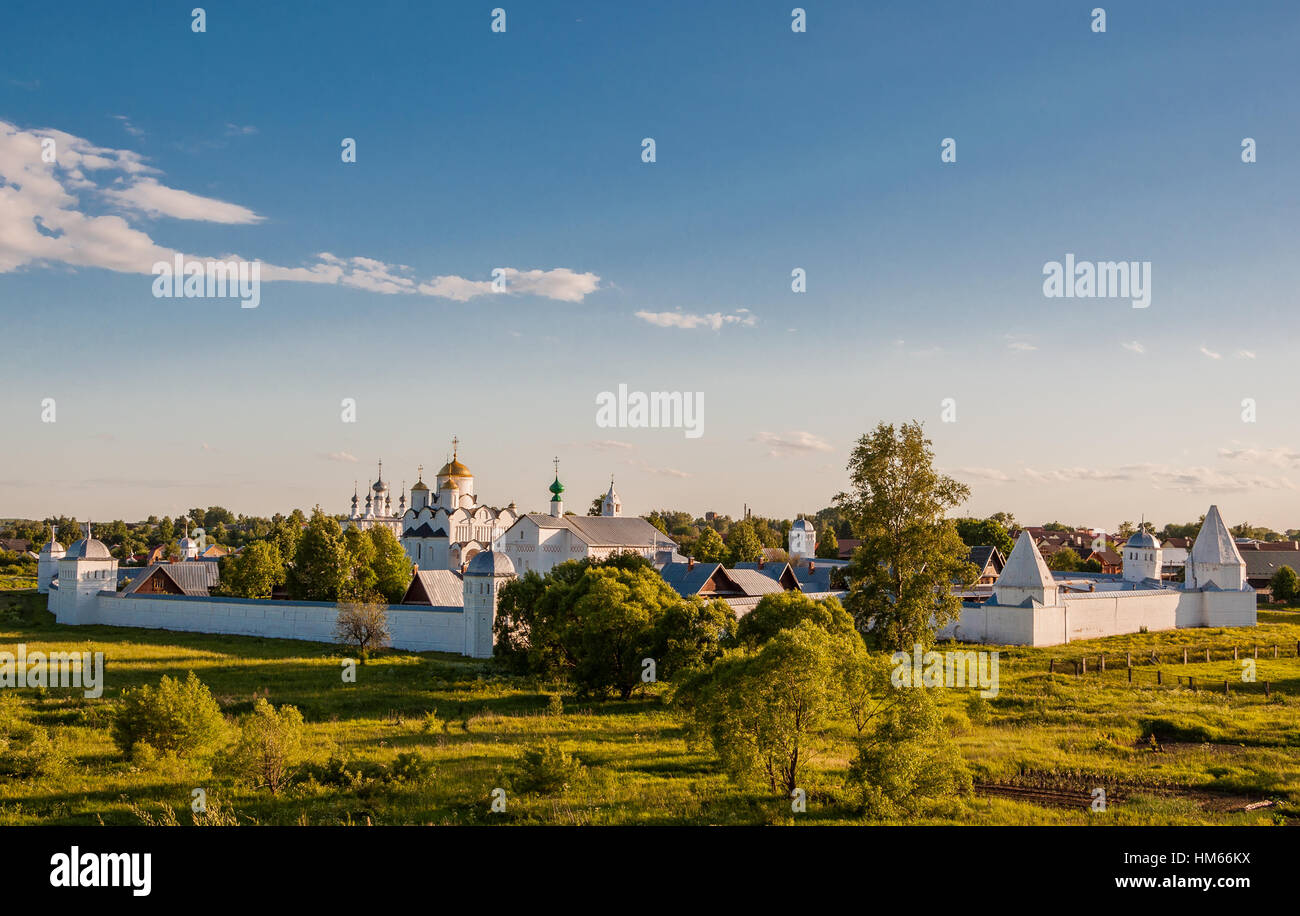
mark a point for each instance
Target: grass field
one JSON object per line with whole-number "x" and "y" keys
{"x": 1164, "y": 755}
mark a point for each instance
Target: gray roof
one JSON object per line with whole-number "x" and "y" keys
{"x": 1262, "y": 564}
{"x": 442, "y": 588}
{"x": 686, "y": 579}
{"x": 1214, "y": 543}
{"x": 193, "y": 577}
{"x": 1143, "y": 539}
{"x": 754, "y": 582}
{"x": 490, "y": 563}
{"x": 93, "y": 549}
{"x": 605, "y": 531}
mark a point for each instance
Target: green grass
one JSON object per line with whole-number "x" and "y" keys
{"x": 1165, "y": 755}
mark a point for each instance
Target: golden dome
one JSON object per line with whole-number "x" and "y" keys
{"x": 454, "y": 468}
{"x": 449, "y": 485}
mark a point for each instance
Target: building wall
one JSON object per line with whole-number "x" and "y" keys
{"x": 413, "y": 629}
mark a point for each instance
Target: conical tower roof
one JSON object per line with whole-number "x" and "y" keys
{"x": 1025, "y": 567}
{"x": 1214, "y": 543}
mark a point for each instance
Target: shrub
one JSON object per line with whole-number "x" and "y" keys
{"x": 546, "y": 769}
{"x": 268, "y": 744}
{"x": 175, "y": 717}
{"x": 28, "y": 751}
{"x": 555, "y": 705}
{"x": 979, "y": 709}
{"x": 431, "y": 723}
{"x": 410, "y": 766}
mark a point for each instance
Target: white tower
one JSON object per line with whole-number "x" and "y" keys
{"x": 420, "y": 492}
{"x": 1025, "y": 577}
{"x": 47, "y": 562}
{"x": 1215, "y": 560}
{"x": 611, "y": 506}
{"x": 482, "y": 582}
{"x": 1143, "y": 557}
{"x": 187, "y": 546}
{"x": 802, "y": 541}
{"x": 85, "y": 570}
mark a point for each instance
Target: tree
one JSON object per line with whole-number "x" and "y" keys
{"x": 390, "y": 566}
{"x": 828, "y": 545}
{"x": 597, "y": 507}
{"x": 908, "y": 758}
{"x": 900, "y": 578}
{"x": 987, "y": 532}
{"x": 268, "y": 745}
{"x": 743, "y": 545}
{"x": 363, "y": 624}
{"x": 174, "y": 717}
{"x": 786, "y": 610}
{"x": 1285, "y": 584}
{"x": 359, "y": 584}
{"x": 252, "y": 572}
{"x": 709, "y": 547}
{"x": 321, "y": 562}
{"x": 764, "y": 711}
{"x": 1065, "y": 559}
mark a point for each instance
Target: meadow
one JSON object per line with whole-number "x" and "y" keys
{"x": 1163, "y": 754}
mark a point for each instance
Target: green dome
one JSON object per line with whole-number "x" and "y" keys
{"x": 557, "y": 488}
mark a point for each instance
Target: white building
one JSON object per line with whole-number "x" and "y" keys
{"x": 378, "y": 508}
{"x": 47, "y": 562}
{"x": 802, "y": 539}
{"x": 1031, "y": 606}
{"x": 445, "y": 527}
{"x": 539, "y": 542}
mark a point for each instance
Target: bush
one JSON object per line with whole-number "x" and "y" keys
{"x": 431, "y": 724}
{"x": 28, "y": 751}
{"x": 268, "y": 744}
{"x": 555, "y": 705}
{"x": 174, "y": 718}
{"x": 410, "y": 766}
{"x": 546, "y": 769}
{"x": 979, "y": 709}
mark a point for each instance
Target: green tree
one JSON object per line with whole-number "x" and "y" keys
{"x": 1065, "y": 559}
{"x": 1285, "y": 584}
{"x": 390, "y": 566}
{"x": 986, "y": 532}
{"x": 743, "y": 545}
{"x": 709, "y": 547}
{"x": 765, "y": 711}
{"x": 900, "y": 578}
{"x": 268, "y": 745}
{"x": 908, "y": 758}
{"x": 363, "y": 625}
{"x": 252, "y": 572}
{"x": 786, "y": 610}
{"x": 179, "y": 717}
{"x": 360, "y": 549}
{"x": 828, "y": 545}
{"x": 597, "y": 506}
{"x": 321, "y": 562}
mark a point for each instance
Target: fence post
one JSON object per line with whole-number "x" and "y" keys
{"x": 1266, "y": 689}
{"x": 1257, "y": 650}
{"x": 1051, "y": 666}
{"x": 1275, "y": 650}
{"x": 1191, "y": 682}
{"x": 1235, "y": 656}
{"x": 1103, "y": 661}
{"x": 1159, "y": 679}
{"x": 1184, "y": 655}
{"x": 1084, "y": 664}
{"x": 1207, "y": 655}
{"x": 1225, "y": 688}
{"x": 1130, "y": 675}
{"x": 1130, "y": 659}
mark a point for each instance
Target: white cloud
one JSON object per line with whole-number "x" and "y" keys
{"x": 47, "y": 217}
{"x": 791, "y": 443}
{"x": 1134, "y": 346}
{"x": 153, "y": 199}
{"x": 983, "y": 474}
{"x": 345, "y": 457}
{"x": 1015, "y": 342}
{"x": 1244, "y": 354}
{"x": 687, "y": 320}
{"x": 129, "y": 127}
{"x": 1210, "y": 353}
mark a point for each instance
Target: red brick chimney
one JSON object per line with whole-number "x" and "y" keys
{"x": 690, "y": 563}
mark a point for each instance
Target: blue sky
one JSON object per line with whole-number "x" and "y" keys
{"x": 775, "y": 150}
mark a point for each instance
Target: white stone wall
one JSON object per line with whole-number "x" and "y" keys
{"x": 413, "y": 629}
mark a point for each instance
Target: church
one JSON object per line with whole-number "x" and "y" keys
{"x": 445, "y": 526}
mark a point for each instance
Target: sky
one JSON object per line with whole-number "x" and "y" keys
{"x": 522, "y": 151}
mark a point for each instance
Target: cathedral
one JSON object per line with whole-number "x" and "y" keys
{"x": 445, "y": 525}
